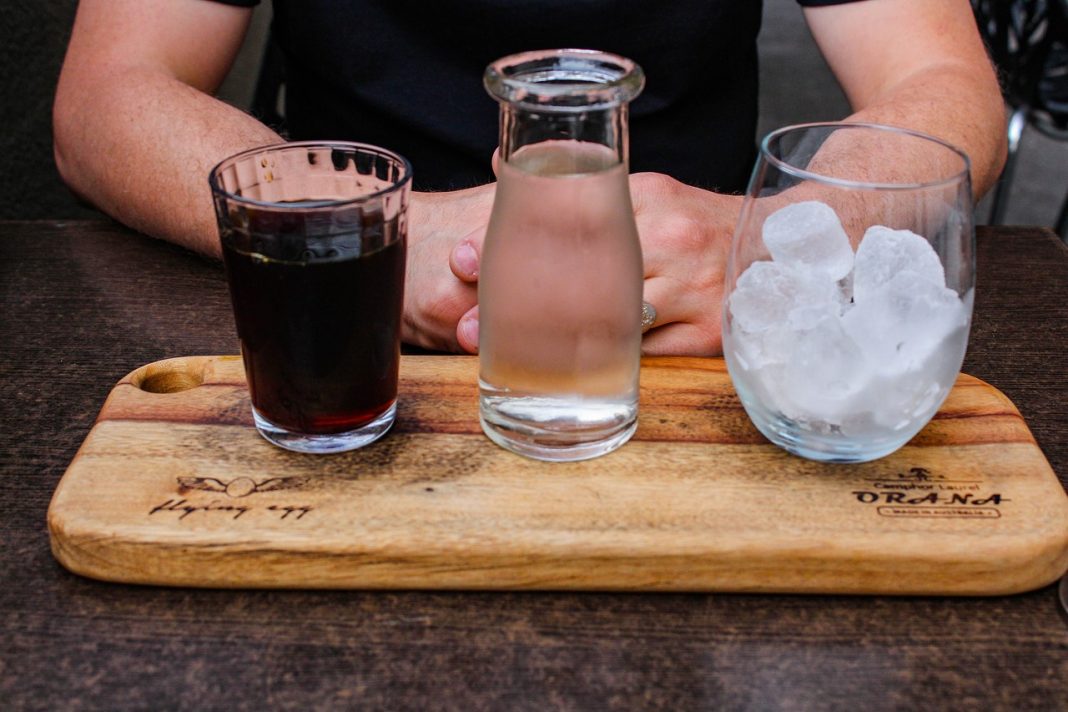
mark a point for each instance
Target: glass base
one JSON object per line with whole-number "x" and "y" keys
{"x": 825, "y": 447}
{"x": 561, "y": 437}
{"x": 323, "y": 444}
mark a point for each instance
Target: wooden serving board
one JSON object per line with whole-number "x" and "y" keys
{"x": 174, "y": 486}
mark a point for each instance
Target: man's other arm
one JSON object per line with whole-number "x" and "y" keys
{"x": 137, "y": 132}
{"x": 918, "y": 64}
{"x": 136, "y": 128}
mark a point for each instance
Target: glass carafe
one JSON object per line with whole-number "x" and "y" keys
{"x": 560, "y": 286}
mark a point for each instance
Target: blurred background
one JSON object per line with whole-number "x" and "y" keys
{"x": 796, "y": 87}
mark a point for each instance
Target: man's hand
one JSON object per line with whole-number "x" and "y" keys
{"x": 444, "y": 228}
{"x": 685, "y": 234}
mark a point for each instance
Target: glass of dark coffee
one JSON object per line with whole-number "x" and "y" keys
{"x": 314, "y": 240}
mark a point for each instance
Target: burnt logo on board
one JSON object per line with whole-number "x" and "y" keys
{"x": 235, "y": 488}
{"x": 239, "y": 486}
{"x": 922, "y": 493}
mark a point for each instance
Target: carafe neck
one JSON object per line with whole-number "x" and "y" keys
{"x": 562, "y": 96}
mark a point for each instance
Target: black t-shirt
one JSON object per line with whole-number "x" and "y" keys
{"x": 407, "y": 75}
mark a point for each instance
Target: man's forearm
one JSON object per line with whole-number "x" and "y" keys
{"x": 955, "y": 105}
{"x": 139, "y": 144}
{"x": 918, "y": 64}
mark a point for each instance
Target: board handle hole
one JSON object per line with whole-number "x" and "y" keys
{"x": 173, "y": 376}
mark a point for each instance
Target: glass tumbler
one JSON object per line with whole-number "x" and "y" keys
{"x": 849, "y": 287}
{"x": 313, "y": 239}
{"x": 560, "y": 288}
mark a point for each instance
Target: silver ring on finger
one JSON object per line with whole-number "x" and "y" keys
{"x": 648, "y": 316}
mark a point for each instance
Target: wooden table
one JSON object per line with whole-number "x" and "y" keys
{"x": 83, "y": 303}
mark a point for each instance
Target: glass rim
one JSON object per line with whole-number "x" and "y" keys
{"x": 325, "y": 204}
{"x": 611, "y": 79}
{"x": 785, "y": 167}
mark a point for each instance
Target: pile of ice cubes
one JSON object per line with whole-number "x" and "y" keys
{"x": 840, "y": 340}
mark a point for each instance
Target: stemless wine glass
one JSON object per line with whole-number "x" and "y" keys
{"x": 849, "y": 287}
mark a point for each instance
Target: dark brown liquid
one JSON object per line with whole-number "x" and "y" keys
{"x": 318, "y": 320}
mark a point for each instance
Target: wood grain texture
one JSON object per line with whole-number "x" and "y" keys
{"x": 174, "y": 486}
{"x": 83, "y": 302}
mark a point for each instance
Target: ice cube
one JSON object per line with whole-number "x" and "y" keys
{"x": 756, "y": 351}
{"x": 809, "y": 237}
{"x": 904, "y": 321}
{"x": 767, "y": 292}
{"x": 884, "y": 252}
{"x": 809, "y": 316}
{"x": 825, "y": 374}
{"x": 904, "y": 400}
{"x": 845, "y": 291}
